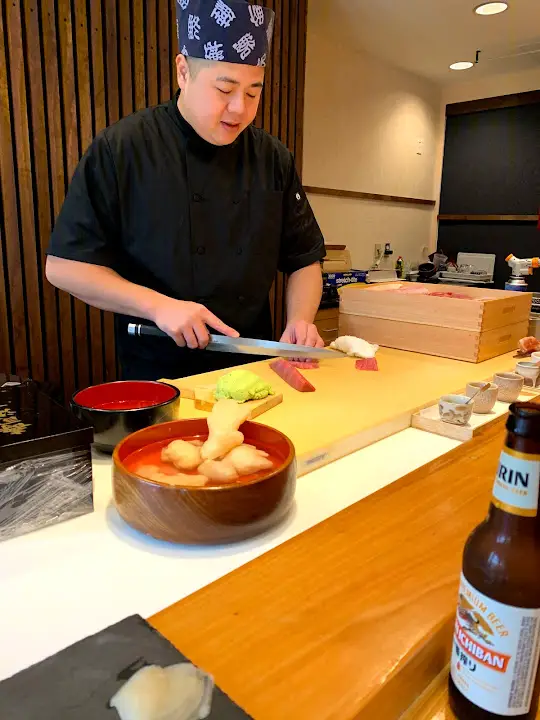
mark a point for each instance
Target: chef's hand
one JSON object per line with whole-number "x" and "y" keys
{"x": 302, "y": 333}
{"x": 186, "y": 322}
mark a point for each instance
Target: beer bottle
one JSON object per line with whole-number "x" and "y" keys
{"x": 496, "y": 643}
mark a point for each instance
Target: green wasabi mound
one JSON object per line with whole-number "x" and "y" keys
{"x": 242, "y": 385}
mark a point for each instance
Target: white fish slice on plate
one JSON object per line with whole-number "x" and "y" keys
{"x": 354, "y": 347}
{"x": 178, "y": 692}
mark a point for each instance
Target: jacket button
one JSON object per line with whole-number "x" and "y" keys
{"x": 201, "y": 250}
{"x": 239, "y": 251}
{"x": 241, "y": 298}
{"x": 197, "y": 197}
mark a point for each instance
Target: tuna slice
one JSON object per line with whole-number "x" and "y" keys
{"x": 305, "y": 364}
{"x": 290, "y": 374}
{"x": 367, "y": 364}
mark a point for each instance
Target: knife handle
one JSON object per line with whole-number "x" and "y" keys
{"x": 138, "y": 330}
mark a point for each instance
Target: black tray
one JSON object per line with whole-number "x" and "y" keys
{"x": 78, "y": 682}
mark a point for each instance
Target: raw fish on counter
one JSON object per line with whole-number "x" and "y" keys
{"x": 354, "y": 347}
{"x": 305, "y": 364}
{"x": 242, "y": 386}
{"x": 529, "y": 345}
{"x": 420, "y": 290}
{"x": 367, "y": 364}
{"x": 288, "y": 372}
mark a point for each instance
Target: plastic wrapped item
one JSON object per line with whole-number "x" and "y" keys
{"x": 45, "y": 461}
{"x": 41, "y": 491}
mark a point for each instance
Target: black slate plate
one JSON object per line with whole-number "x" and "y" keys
{"x": 78, "y": 682}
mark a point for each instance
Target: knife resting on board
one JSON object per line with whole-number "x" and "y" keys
{"x": 249, "y": 346}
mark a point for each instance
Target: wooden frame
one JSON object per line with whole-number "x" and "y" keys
{"x": 489, "y": 218}
{"x": 368, "y": 196}
{"x": 495, "y": 103}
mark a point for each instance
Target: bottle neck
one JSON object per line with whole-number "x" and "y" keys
{"x": 516, "y": 489}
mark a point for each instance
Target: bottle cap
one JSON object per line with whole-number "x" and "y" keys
{"x": 524, "y": 420}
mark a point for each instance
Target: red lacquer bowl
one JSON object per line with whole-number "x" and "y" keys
{"x": 205, "y": 515}
{"x": 117, "y": 409}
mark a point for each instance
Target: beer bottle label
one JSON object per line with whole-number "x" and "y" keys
{"x": 495, "y": 652}
{"x": 516, "y": 485}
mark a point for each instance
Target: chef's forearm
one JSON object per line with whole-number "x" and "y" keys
{"x": 102, "y": 288}
{"x": 304, "y": 291}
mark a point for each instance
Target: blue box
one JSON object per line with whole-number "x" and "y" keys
{"x": 339, "y": 279}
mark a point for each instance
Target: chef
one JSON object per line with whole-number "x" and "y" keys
{"x": 180, "y": 214}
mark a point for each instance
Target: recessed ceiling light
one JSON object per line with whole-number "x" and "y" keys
{"x": 491, "y": 8}
{"x": 461, "y": 66}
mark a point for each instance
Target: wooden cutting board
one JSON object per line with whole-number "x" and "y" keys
{"x": 203, "y": 397}
{"x": 352, "y": 409}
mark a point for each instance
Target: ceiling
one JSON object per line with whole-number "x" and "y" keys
{"x": 426, "y": 36}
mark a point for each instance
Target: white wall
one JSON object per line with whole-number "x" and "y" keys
{"x": 478, "y": 88}
{"x": 365, "y": 124}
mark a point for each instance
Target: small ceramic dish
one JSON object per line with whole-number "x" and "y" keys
{"x": 510, "y": 386}
{"x": 535, "y": 357}
{"x": 483, "y": 402}
{"x": 455, "y": 409}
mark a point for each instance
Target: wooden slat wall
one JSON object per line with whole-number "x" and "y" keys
{"x": 68, "y": 68}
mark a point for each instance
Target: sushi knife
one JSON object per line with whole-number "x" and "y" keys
{"x": 249, "y": 346}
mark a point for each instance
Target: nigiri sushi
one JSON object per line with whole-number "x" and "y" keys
{"x": 354, "y": 346}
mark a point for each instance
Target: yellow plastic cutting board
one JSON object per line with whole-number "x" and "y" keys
{"x": 352, "y": 409}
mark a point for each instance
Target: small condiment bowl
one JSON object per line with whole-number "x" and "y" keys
{"x": 535, "y": 357}
{"x": 528, "y": 370}
{"x": 455, "y": 409}
{"x": 510, "y": 386}
{"x": 484, "y": 401}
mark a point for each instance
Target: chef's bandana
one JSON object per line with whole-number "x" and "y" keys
{"x": 226, "y": 30}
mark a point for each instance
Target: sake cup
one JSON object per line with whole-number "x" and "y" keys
{"x": 529, "y": 371}
{"x": 485, "y": 401}
{"x": 455, "y": 409}
{"x": 535, "y": 357}
{"x": 510, "y": 386}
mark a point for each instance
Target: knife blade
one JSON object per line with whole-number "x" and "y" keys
{"x": 247, "y": 346}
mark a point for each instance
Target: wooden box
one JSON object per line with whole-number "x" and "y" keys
{"x": 487, "y": 324}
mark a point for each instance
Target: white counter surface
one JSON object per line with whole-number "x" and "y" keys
{"x": 66, "y": 582}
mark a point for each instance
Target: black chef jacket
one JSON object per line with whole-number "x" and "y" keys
{"x": 165, "y": 209}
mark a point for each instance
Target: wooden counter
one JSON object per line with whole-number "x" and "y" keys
{"x": 433, "y": 703}
{"x": 353, "y": 618}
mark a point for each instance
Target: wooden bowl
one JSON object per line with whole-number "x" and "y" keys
{"x": 204, "y": 515}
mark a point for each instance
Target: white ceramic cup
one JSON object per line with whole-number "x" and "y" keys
{"x": 485, "y": 401}
{"x": 510, "y": 386}
{"x": 535, "y": 357}
{"x": 528, "y": 370}
{"x": 455, "y": 410}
